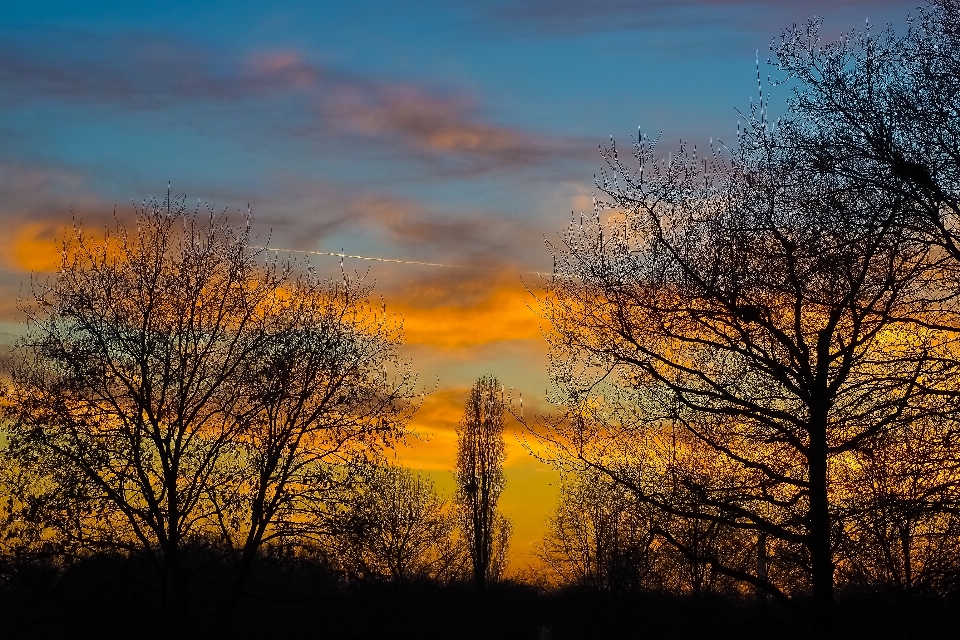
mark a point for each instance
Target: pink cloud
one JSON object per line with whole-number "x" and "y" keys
{"x": 407, "y": 118}
{"x": 287, "y": 69}
{"x": 430, "y": 122}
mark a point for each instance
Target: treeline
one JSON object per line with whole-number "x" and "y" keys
{"x": 603, "y": 537}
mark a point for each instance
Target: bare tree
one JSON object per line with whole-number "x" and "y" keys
{"x": 596, "y": 537}
{"x": 328, "y": 391}
{"x": 399, "y": 528}
{"x": 124, "y": 386}
{"x": 900, "y": 498}
{"x": 792, "y": 310}
{"x": 756, "y": 309}
{"x": 187, "y": 389}
{"x": 28, "y": 535}
{"x": 480, "y": 479}
{"x": 601, "y": 536}
{"x": 882, "y": 111}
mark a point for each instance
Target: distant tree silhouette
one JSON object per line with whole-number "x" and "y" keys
{"x": 601, "y": 537}
{"x": 597, "y": 537}
{"x": 27, "y": 535}
{"x": 901, "y": 515}
{"x": 180, "y": 388}
{"x": 397, "y": 527}
{"x": 480, "y": 479}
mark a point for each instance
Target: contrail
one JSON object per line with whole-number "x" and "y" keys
{"x": 347, "y": 255}
{"x": 394, "y": 260}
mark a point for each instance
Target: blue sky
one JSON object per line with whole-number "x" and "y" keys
{"x": 452, "y": 132}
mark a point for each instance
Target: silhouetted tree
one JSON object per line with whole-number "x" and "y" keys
{"x": 328, "y": 391}
{"x": 597, "y": 537}
{"x": 883, "y": 112}
{"x": 602, "y": 537}
{"x": 762, "y": 312}
{"x": 397, "y": 527}
{"x": 480, "y": 479}
{"x": 182, "y": 388}
{"x": 901, "y": 525}
{"x": 27, "y": 535}
{"x": 125, "y": 385}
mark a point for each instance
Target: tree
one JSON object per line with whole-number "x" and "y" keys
{"x": 883, "y": 112}
{"x": 123, "y": 387}
{"x": 185, "y": 389}
{"x": 900, "y": 498}
{"x": 328, "y": 392}
{"x": 397, "y": 527}
{"x": 27, "y": 536}
{"x": 480, "y": 479}
{"x": 597, "y": 537}
{"x": 761, "y": 312}
{"x": 602, "y": 537}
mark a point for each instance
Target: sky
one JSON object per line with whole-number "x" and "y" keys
{"x": 455, "y": 133}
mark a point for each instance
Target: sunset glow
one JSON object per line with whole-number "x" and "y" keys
{"x": 458, "y": 134}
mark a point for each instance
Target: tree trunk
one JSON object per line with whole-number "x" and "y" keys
{"x": 480, "y": 557}
{"x": 762, "y": 564}
{"x": 821, "y": 556}
{"x": 244, "y": 565}
{"x": 907, "y": 564}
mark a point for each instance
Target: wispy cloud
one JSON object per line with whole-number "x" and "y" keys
{"x": 150, "y": 74}
{"x": 574, "y": 16}
{"x": 433, "y": 124}
{"x": 481, "y": 303}
{"x": 123, "y": 72}
{"x": 500, "y": 315}
{"x": 38, "y": 203}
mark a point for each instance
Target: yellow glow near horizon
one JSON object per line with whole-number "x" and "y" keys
{"x": 532, "y": 487}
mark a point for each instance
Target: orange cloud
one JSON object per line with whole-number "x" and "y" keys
{"x": 434, "y": 445}
{"x": 33, "y": 247}
{"x": 500, "y": 315}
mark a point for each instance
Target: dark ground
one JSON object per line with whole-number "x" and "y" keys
{"x": 114, "y": 599}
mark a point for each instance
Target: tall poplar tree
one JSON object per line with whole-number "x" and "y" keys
{"x": 480, "y": 479}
